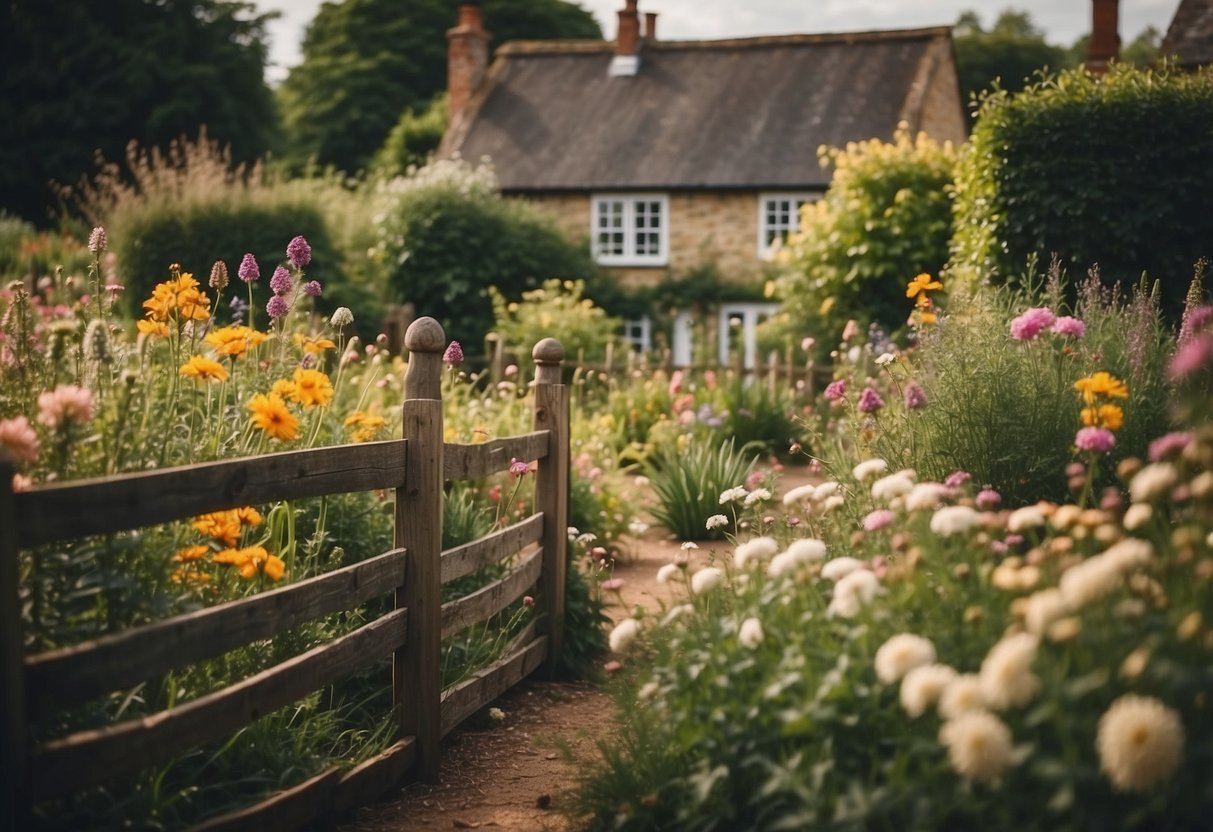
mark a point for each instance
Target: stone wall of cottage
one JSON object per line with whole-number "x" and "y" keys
{"x": 718, "y": 227}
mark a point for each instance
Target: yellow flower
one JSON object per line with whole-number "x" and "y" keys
{"x": 201, "y": 368}
{"x": 270, "y": 413}
{"x": 921, "y": 284}
{"x": 367, "y": 425}
{"x": 247, "y": 515}
{"x": 191, "y": 553}
{"x": 223, "y": 526}
{"x": 1106, "y": 415}
{"x": 312, "y": 388}
{"x": 284, "y": 388}
{"x": 314, "y": 345}
{"x": 189, "y": 576}
{"x": 152, "y": 328}
{"x": 1101, "y": 384}
{"x": 234, "y": 341}
{"x": 179, "y": 298}
{"x": 251, "y": 560}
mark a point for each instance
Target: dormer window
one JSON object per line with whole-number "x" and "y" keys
{"x": 631, "y": 229}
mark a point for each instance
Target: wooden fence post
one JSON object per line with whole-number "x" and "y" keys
{"x": 15, "y": 747}
{"x": 552, "y": 489}
{"x": 416, "y": 670}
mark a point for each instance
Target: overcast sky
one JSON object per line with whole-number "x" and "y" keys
{"x": 1062, "y": 21}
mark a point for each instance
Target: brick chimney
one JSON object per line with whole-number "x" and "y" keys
{"x": 1105, "y": 35}
{"x": 650, "y": 27}
{"x": 467, "y": 57}
{"x": 627, "y": 42}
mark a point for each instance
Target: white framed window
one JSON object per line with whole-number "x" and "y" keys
{"x": 779, "y": 216}
{"x": 631, "y": 229}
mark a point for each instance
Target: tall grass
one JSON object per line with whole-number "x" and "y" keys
{"x": 688, "y": 480}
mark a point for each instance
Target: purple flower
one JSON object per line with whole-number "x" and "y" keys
{"x": 299, "y": 252}
{"x": 312, "y": 288}
{"x": 836, "y": 391}
{"x": 1196, "y": 353}
{"x": 878, "y": 519}
{"x": 869, "y": 401}
{"x": 1193, "y": 321}
{"x": 280, "y": 281}
{"x": 453, "y": 354}
{"x": 518, "y": 467}
{"x": 239, "y": 307}
{"x": 915, "y": 396}
{"x": 96, "y": 240}
{"x": 1031, "y": 323}
{"x": 988, "y": 498}
{"x": 1169, "y": 445}
{"x": 1069, "y": 327}
{"x": 248, "y": 271}
{"x": 1097, "y": 440}
{"x": 957, "y": 478}
{"x": 277, "y": 307}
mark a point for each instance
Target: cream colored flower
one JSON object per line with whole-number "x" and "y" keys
{"x": 1025, "y": 518}
{"x": 758, "y": 548}
{"x": 963, "y": 694}
{"x": 706, "y": 579}
{"x": 1043, "y": 608}
{"x": 1088, "y": 581}
{"x": 668, "y": 572}
{"x": 901, "y": 654}
{"x": 1006, "y": 674}
{"x": 1129, "y": 554}
{"x": 1152, "y": 481}
{"x": 925, "y": 495}
{"x": 1137, "y": 516}
{"x": 952, "y": 520}
{"x": 1140, "y": 742}
{"x": 979, "y": 745}
{"x": 799, "y": 494}
{"x": 894, "y": 485}
{"x": 869, "y": 468}
{"x": 624, "y": 634}
{"x": 839, "y": 568}
{"x": 750, "y": 635}
{"x": 922, "y": 687}
{"x": 1065, "y": 517}
{"x": 807, "y": 548}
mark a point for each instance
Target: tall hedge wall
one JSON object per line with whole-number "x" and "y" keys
{"x": 1115, "y": 171}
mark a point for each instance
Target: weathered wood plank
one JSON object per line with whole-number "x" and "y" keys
{"x": 129, "y": 501}
{"x": 552, "y": 489}
{"x": 90, "y": 757}
{"x": 464, "y": 699}
{"x": 465, "y": 559}
{"x": 469, "y": 462}
{"x": 376, "y": 776}
{"x": 78, "y": 673}
{"x": 492, "y": 598}
{"x": 14, "y": 749}
{"x": 287, "y": 810}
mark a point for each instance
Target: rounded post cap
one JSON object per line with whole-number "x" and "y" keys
{"x": 548, "y": 351}
{"x": 425, "y": 335}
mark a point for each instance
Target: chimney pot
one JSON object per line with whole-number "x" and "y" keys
{"x": 1105, "y": 36}
{"x": 467, "y": 59}
{"x": 650, "y": 26}
{"x": 627, "y": 42}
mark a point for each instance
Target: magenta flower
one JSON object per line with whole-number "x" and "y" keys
{"x": 1069, "y": 327}
{"x": 277, "y": 307}
{"x": 1193, "y": 322}
{"x": 249, "y": 272}
{"x": 518, "y": 467}
{"x": 836, "y": 391}
{"x": 869, "y": 401}
{"x": 957, "y": 478}
{"x": 65, "y": 405}
{"x": 915, "y": 396}
{"x": 312, "y": 288}
{"x": 1031, "y": 323}
{"x": 17, "y": 437}
{"x": 878, "y": 519}
{"x": 280, "y": 281}
{"x": 988, "y": 498}
{"x": 298, "y": 252}
{"x": 1096, "y": 440}
{"x": 1195, "y": 353}
{"x": 453, "y": 354}
{"x": 1169, "y": 445}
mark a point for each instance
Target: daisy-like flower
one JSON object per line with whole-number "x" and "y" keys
{"x": 979, "y": 745}
{"x": 706, "y": 579}
{"x": 1006, "y": 674}
{"x": 758, "y": 548}
{"x": 1140, "y": 743}
{"x": 750, "y": 634}
{"x": 869, "y": 468}
{"x": 962, "y": 694}
{"x": 313, "y": 344}
{"x": 624, "y": 634}
{"x": 922, "y": 687}
{"x": 201, "y": 368}
{"x": 921, "y": 285}
{"x": 272, "y": 416}
{"x": 716, "y": 521}
{"x": 312, "y": 388}
{"x": 951, "y": 520}
{"x": 1101, "y": 384}
{"x": 234, "y": 341}
{"x": 901, "y": 654}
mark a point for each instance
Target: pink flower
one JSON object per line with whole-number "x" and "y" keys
{"x": 66, "y": 404}
{"x": 18, "y": 438}
{"x": 878, "y": 519}
{"x": 1069, "y": 327}
{"x": 915, "y": 396}
{"x": 957, "y": 478}
{"x": 518, "y": 467}
{"x": 298, "y": 252}
{"x": 1169, "y": 445}
{"x": 836, "y": 391}
{"x": 1031, "y": 323}
{"x": 1097, "y": 440}
{"x": 1193, "y": 355}
{"x": 612, "y": 583}
{"x": 675, "y": 383}
{"x": 453, "y": 354}
{"x": 988, "y": 498}
{"x": 869, "y": 401}
{"x": 850, "y": 330}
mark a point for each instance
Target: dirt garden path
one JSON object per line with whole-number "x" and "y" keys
{"x": 514, "y": 774}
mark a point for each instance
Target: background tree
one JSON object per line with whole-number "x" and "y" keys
{"x": 76, "y": 78}
{"x": 366, "y": 61}
{"x": 1010, "y": 52}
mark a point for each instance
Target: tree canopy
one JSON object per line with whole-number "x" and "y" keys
{"x": 366, "y": 61}
{"x": 1010, "y": 52}
{"x": 77, "y": 78}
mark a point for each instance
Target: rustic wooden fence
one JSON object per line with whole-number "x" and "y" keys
{"x": 416, "y": 466}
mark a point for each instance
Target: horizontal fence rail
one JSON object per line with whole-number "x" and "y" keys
{"x": 532, "y": 552}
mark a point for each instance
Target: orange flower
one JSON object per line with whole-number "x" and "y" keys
{"x": 1101, "y": 384}
{"x": 921, "y": 285}
{"x": 283, "y": 388}
{"x": 270, "y": 413}
{"x": 191, "y": 553}
{"x": 200, "y": 368}
{"x": 366, "y": 425}
{"x": 1105, "y": 416}
{"x": 152, "y": 328}
{"x": 248, "y": 516}
{"x": 312, "y": 388}
{"x": 223, "y": 526}
{"x": 251, "y": 560}
{"x": 314, "y": 345}
{"x": 235, "y": 341}
{"x": 179, "y": 298}
{"x": 189, "y": 576}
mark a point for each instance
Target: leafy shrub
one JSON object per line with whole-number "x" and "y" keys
{"x": 446, "y": 235}
{"x": 886, "y": 214}
{"x": 1113, "y": 170}
{"x": 558, "y": 309}
{"x": 413, "y": 140}
{"x": 689, "y": 479}
{"x": 14, "y": 231}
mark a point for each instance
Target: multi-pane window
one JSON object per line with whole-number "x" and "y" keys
{"x": 778, "y": 216}
{"x": 631, "y": 229}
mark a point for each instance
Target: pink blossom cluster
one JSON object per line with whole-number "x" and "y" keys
{"x": 1096, "y": 440}
{"x": 1030, "y": 324}
{"x": 65, "y": 405}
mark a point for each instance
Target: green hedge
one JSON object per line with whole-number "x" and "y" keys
{"x": 1115, "y": 171}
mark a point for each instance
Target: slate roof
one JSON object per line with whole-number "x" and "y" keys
{"x": 1190, "y": 35}
{"x": 743, "y": 113}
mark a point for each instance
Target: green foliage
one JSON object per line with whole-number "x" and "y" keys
{"x": 1113, "y": 171}
{"x": 689, "y": 479}
{"x": 413, "y": 140}
{"x": 82, "y": 77}
{"x": 14, "y": 232}
{"x": 558, "y": 309}
{"x": 367, "y": 61}
{"x": 885, "y": 218}
{"x": 1006, "y": 56}
{"x": 446, "y": 236}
